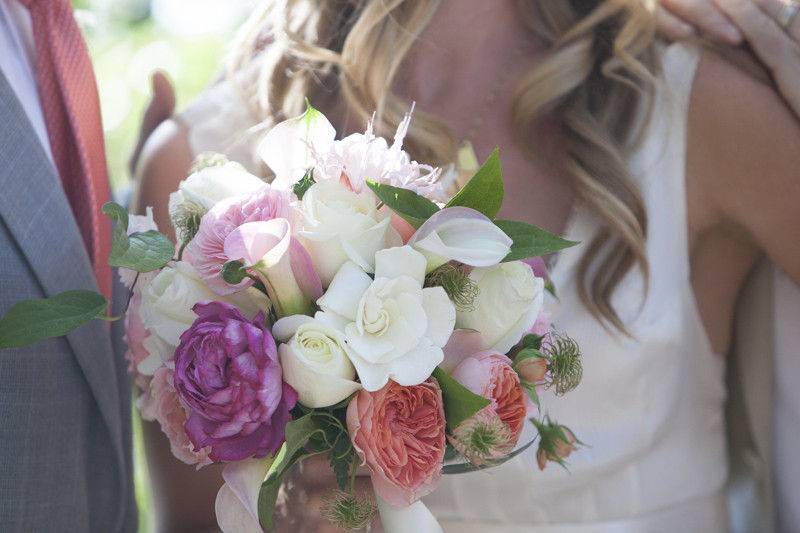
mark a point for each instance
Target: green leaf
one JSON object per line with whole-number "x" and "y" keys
{"x": 484, "y": 191}
{"x": 146, "y": 251}
{"x": 532, "y": 340}
{"x": 530, "y": 241}
{"x": 343, "y": 460}
{"x": 462, "y": 468}
{"x": 140, "y": 251}
{"x": 304, "y": 184}
{"x": 460, "y": 403}
{"x": 298, "y": 432}
{"x": 533, "y": 394}
{"x": 233, "y": 272}
{"x": 29, "y": 321}
{"x": 412, "y": 207}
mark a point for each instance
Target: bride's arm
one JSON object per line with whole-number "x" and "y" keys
{"x": 744, "y": 156}
{"x": 183, "y": 497}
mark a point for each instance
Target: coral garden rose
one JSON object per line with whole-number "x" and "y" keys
{"x": 491, "y": 375}
{"x": 399, "y": 434}
{"x": 227, "y": 373}
{"x": 161, "y": 403}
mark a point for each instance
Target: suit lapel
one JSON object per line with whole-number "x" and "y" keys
{"x": 35, "y": 209}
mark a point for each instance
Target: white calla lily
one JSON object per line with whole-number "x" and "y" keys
{"x": 287, "y": 147}
{"x": 461, "y": 234}
{"x": 394, "y": 326}
{"x": 236, "y": 506}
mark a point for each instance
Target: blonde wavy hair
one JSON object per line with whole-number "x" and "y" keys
{"x": 596, "y": 78}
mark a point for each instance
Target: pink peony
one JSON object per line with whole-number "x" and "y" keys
{"x": 135, "y": 334}
{"x": 206, "y": 252}
{"x": 161, "y": 403}
{"x": 399, "y": 433}
{"x": 491, "y": 375}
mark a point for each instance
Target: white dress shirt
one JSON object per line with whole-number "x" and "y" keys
{"x": 17, "y": 61}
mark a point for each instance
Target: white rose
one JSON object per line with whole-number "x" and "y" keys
{"x": 509, "y": 301}
{"x": 166, "y": 308}
{"x": 212, "y": 184}
{"x": 394, "y": 327}
{"x": 337, "y": 225}
{"x": 315, "y": 361}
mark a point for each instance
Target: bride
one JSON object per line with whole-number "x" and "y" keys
{"x": 670, "y": 164}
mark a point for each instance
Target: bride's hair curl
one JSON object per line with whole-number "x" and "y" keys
{"x": 596, "y": 78}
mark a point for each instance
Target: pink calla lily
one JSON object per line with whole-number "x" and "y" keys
{"x": 280, "y": 261}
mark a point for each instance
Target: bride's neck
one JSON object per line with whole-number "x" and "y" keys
{"x": 468, "y": 44}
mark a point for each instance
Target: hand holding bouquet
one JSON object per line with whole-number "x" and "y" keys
{"x": 345, "y": 309}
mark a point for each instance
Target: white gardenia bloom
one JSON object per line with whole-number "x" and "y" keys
{"x": 138, "y": 224}
{"x": 315, "y": 361}
{"x": 337, "y": 225}
{"x": 166, "y": 308}
{"x": 394, "y": 327}
{"x": 212, "y": 184}
{"x": 510, "y": 299}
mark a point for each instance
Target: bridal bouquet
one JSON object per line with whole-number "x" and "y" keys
{"x": 347, "y": 308}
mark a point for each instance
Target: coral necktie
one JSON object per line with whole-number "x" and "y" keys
{"x": 71, "y": 108}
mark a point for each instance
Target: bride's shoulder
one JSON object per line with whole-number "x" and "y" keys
{"x": 742, "y": 146}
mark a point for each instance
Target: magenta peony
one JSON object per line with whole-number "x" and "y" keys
{"x": 227, "y": 373}
{"x": 206, "y": 252}
{"x": 399, "y": 433}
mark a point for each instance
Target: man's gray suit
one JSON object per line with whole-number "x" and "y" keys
{"x": 65, "y": 433}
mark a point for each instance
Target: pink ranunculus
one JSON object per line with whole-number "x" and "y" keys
{"x": 491, "y": 375}
{"x": 161, "y": 403}
{"x": 206, "y": 252}
{"x": 228, "y": 375}
{"x": 135, "y": 334}
{"x": 399, "y": 433}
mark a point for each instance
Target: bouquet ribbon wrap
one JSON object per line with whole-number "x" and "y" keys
{"x": 416, "y": 518}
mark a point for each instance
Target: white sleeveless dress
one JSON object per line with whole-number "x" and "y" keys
{"x": 650, "y": 407}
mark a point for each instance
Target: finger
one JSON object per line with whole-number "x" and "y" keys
{"x": 705, "y": 16}
{"x": 671, "y": 26}
{"x": 775, "y": 9}
{"x": 772, "y": 45}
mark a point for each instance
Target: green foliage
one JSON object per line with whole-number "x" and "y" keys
{"x": 412, "y": 207}
{"x": 532, "y": 340}
{"x": 460, "y": 403}
{"x": 317, "y": 431}
{"x": 530, "y": 241}
{"x": 484, "y": 191}
{"x": 304, "y": 184}
{"x": 29, "y": 321}
{"x": 140, "y": 251}
{"x": 298, "y": 433}
{"x": 233, "y": 272}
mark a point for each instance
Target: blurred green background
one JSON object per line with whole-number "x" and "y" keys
{"x": 128, "y": 40}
